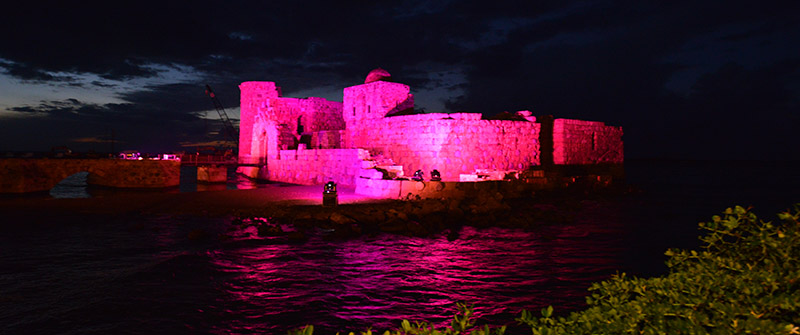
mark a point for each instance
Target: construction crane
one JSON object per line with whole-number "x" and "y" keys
{"x": 231, "y": 132}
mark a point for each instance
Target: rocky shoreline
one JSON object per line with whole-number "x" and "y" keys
{"x": 422, "y": 218}
{"x": 295, "y": 211}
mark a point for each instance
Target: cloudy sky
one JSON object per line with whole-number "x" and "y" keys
{"x": 686, "y": 79}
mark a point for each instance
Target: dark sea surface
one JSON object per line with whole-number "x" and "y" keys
{"x": 143, "y": 274}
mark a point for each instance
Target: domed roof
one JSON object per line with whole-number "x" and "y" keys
{"x": 376, "y": 75}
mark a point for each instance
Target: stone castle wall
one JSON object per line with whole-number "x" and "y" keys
{"x": 578, "y": 142}
{"x": 328, "y": 139}
{"x": 318, "y": 166}
{"x": 372, "y": 117}
{"x": 255, "y": 95}
{"x": 454, "y": 144}
{"x": 367, "y": 103}
{"x": 269, "y": 122}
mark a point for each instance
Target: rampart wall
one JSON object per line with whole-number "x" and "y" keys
{"x": 310, "y": 114}
{"x": 454, "y": 144}
{"x": 318, "y": 166}
{"x": 270, "y": 122}
{"x": 578, "y": 142}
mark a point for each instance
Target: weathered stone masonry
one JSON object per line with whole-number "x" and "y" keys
{"x": 313, "y": 140}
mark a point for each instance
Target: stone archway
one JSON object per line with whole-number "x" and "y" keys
{"x": 265, "y": 141}
{"x": 20, "y": 175}
{"x": 72, "y": 186}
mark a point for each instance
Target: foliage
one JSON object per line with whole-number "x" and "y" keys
{"x": 744, "y": 280}
{"x": 462, "y": 324}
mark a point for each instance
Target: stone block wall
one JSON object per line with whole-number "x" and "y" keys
{"x": 409, "y": 189}
{"x": 19, "y": 175}
{"x": 264, "y": 111}
{"x": 454, "y": 144}
{"x": 318, "y": 166}
{"x": 364, "y": 104}
{"x": 586, "y": 142}
{"x": 327, "y": 139}
{"x": 312, "y": 114}
{"x": 254, "y": 95}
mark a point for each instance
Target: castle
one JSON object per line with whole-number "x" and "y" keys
{"x": 313, "y": 140}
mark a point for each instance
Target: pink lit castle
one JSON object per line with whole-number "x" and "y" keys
{"x": 374, "y": 134}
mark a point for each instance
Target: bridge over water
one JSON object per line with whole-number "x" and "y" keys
{"x": 23, "y": 175}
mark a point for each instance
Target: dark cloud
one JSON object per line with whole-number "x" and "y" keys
{"x": 29, "y": 73}
{"x": 599, "y": 60}
{"x": 102, "y": 84}
{"x": 150, "y": 124}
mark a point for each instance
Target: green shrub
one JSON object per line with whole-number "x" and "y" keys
{"x": 462, "y": 324}
{"x": 744, "y": 280}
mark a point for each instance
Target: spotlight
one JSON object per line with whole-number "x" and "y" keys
{"x": 435, "y": 175}
{"x": 330, "y": 187}
{"x": 329, "y": 195}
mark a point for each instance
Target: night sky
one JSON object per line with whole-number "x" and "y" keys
{"x": 686, "y": 79}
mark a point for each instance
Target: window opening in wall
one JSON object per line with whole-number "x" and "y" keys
{"x": 299, "y": 125}
{"x": 369, "y": 110}
{"x": 594, "y": 141}
{"x": 354, "y": 111}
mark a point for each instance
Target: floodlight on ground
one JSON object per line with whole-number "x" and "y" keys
{"x": 329, "y": 195}
{"x": 418, "y": 175}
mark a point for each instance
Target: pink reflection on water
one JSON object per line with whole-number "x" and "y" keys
{"x": 381, "y": 280}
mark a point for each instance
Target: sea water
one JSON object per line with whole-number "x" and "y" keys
{"x": 144, "y": 274}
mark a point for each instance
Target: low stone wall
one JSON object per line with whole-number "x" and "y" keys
{"x": 20, "y": 175}
{"x": 212, "y": 174}
{"x": 410, "y": 189}
{"x": 586, "y": 142}
{"x": 318, "y": 166}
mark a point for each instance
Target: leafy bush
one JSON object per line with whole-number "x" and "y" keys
{"x": 745, "y": 279}
{"x": 462, "y": 324}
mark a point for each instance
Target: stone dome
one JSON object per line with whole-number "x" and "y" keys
{"x": 376, "y": 75}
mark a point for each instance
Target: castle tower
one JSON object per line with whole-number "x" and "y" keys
{"x": 255, "y": 97}
{"x": 365, "y": 104}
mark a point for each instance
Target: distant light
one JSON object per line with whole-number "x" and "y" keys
{"x": 418, "y": 175}
{"x": 435, "y": 175}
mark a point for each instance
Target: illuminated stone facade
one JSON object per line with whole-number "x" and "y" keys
{"x": 313, "y": 140}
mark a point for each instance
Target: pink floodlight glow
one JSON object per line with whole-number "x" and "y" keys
{"x": 313, "y": 140}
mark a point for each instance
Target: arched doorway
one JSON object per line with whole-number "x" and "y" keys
{"x": 73, "y": 186}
